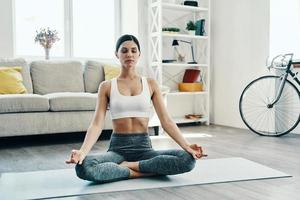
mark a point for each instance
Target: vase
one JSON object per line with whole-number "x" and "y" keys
{"x": 47, "y": 50}
{"x": 191, "y": 32}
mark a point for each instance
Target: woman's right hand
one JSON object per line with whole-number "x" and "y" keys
{"x": 196, "y": 151}
{"x": 77, "y": 156}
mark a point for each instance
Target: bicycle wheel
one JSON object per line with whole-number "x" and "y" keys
{"x": 262, "y": 119}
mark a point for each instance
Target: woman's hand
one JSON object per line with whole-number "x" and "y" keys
{"x": 195, "y": 151}
{"x": 76, "y": 157}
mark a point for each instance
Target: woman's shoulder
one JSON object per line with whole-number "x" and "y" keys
{"x": 152, "y": 82}
{"x": 105, "y": 85}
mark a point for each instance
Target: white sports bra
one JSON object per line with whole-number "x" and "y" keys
{"x": 122, "y": 106}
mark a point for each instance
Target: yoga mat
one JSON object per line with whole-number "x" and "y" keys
{"x": 64, "y": 183}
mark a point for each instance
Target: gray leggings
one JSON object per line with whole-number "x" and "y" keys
{"x": 133, "y": 147}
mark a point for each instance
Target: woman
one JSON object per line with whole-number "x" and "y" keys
{"x": 130, "y": 154}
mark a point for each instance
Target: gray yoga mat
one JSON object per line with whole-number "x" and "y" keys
{"x": 63, "y": 183}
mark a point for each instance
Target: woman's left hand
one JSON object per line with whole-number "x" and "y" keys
{"x": 196, "y": 151}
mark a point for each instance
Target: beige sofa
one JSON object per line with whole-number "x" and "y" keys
{"x": 61, "y": 98}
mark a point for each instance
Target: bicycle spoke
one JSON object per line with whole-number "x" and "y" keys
{"x": 277, "y": 119}
{"x": 285, "y": 115}
{"x": 280, "y": 121}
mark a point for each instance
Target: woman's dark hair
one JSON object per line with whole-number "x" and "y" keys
{"x": 125, "y": 38}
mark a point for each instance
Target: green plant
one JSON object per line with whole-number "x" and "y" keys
{"x": 171, "y": 29}
{"x": 190, "y": 26}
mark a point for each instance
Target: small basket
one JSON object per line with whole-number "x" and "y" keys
{"x": 190, "y": 87}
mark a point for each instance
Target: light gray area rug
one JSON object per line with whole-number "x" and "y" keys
{"x": 63, "y": 183}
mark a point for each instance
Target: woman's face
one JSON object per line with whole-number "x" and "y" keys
{"x": 128, "y": 54}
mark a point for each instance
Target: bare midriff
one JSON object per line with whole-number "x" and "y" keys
{"x": 130, "y": 125}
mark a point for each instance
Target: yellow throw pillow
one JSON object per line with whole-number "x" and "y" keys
{"x": 11, "y": 81}
{"x": 111, "y": 71}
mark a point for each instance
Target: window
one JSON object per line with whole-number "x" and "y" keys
{"x": 31, "y": 15}
{"x": 86, "y": 28}
{"x": 93, "y": 28}
{"x": 285, "y": 27}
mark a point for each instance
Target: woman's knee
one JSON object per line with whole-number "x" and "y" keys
{"x": 101, "y": 172}
{"x": 188, "y": 161}
{"x": 190, "y": 164}
{"x": 86, "y": 170}
{"x": 82, "y": 171}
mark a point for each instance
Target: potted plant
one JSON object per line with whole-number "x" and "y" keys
{"x": 191, "y": 27}
{"x": 46, "y": 38}
{"x": 171, "y": 29}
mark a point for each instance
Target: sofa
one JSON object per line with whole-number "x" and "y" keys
{"x": 61, "y": 97}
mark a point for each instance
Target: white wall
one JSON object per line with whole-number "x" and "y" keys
{"x": 135, "y": 21}
{"x": 285, "y": 30}
{"x": 240, "y": 45}
{"x": 129, "y": 17}
{"x": 134, "y": 18}
{"x": 143, "y": 37}
{"x": 6, "y": 29}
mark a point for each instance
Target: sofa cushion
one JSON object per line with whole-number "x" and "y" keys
{"x": 93, "y": 75}
{"x": 11, "y": 81}
{"x": 57, "y": 76}
{"x": 72, "y": 101}
{"x": 11, "y": 103}
{"x": 6, "y": 62}
{"x": 111, "y": 71}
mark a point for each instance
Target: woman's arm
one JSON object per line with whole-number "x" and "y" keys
{"x": 168, "y": 125}
{"x": 95, "y": 128}
{"x": 96, "y": 125}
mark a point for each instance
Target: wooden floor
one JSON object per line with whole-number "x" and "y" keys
{"x": 49, "y": 152}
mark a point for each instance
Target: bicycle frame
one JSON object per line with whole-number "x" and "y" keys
{"x": 288, "y": 71}
{"x": 270, "y": 104}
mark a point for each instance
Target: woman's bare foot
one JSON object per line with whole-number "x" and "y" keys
{"x": 134, "y": 169}
{"x": 131, "y": 165}
{"x": 135, "y": 174}
{"x": 124, "y": 164}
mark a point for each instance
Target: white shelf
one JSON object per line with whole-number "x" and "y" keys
{"x": 199, "y": 37}
{"x": 176, "y": 93}
{"x": 175, "y": 34}
{"x": 163, "y": 13}
{"x": 182, "y": 120}
{"x": 183, "y": 7}
{"x": 184, "y": 65}
{"x": 179, "y": 64}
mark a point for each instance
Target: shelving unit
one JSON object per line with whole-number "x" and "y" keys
{"x": 184, "y": 36}
{"x": 162, "y": 14}
{"x": 183, "y": 7}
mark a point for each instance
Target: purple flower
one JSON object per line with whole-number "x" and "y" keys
{"x": 46, "y": 37}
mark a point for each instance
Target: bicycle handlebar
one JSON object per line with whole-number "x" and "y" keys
{"x": 279, "y": 68}
{"x": 282, "y": 61}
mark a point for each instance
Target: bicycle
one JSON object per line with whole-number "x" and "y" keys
{"x": 270, "y": 105}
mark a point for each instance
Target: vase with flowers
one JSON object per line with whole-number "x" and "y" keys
{"x": 46, "y": 38}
